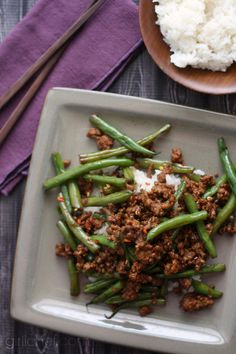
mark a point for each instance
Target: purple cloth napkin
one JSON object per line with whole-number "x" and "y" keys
{"x": 92, "y": 61}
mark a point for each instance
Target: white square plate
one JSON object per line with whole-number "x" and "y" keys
{"x": 40, "y": 283}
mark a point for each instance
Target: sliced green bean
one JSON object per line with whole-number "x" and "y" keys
{"x": 74, "y": 193}
{"x": 65, "y": 231}
{"x": 194, "y": 177}
{"x": 212, "y": 268}
{"x": 128, "y": 174}
{"x": 201, "y": 229}
{"x": 114, "y": 198}
{"x": 75, "y": 228}
{"x": 74, "y": 278}
{"x": 227, "y": 164}
{"x": 176, "y": 222}
{"x": 153, "y": 270}
{"x": 118, "y": 299}
{"x": 98, "y": 285}
{"x": 164, "y": 289}
{"x": 136, "y": 304}
{"x": 214, "y": 189}
{"x": 99, "y": 155}
{"x": 179, "y": 193}
{"x": 114, "y": 289}
{"x": 114, "y": 133}
{"x": 103, "y": 241}
{"x": 205, "y": 289}
{"x": 159, "y": 164}
{"x": 131, "y": 253}
{"x": 84, "y": 169}
{"x": 59, "y": 168}
{"x": 224, "y": 214}
{"x": 150, "y": 289}
{"x": 103, "y": 179}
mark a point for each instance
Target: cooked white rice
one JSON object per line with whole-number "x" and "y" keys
{"x": 200, "y": 33}
{"x": 145, "y": 183}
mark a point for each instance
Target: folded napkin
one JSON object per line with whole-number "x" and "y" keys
{"x": 93, "y": 60}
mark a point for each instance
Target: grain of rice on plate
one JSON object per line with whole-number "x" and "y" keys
{"x": 200, "y": 33}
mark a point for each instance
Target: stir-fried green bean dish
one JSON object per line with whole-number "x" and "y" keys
{"x": 136, "y": 228}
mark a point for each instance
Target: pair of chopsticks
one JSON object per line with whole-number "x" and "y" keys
{"x": 45, "y": 63}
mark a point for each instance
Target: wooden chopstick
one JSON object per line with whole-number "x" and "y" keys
{"x": 16, "y": 114}
{"x": 49, "y": 52}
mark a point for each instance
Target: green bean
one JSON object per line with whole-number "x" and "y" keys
{"x": 150, "y": 289}
{"x": 66, "y": 234}
{"x": 59, "y": 168}
{"x": 114, "y": 133}
{"x": 136, "y": 304}
{"x": 98, "y": 285}
{"x": 204, "y": 289}
{"x": 104, "y": 276}
{"x": 99, "y": 155}
{"x": 224, "y": 214}
{"x": 74, "y": 278}
{"x": 194, "y": 177}
{"x": 212, "y": 268}
{"x": 159, "y": 164}
{"x": 114, "y": 289}
{"x": 103, "y": 241}
{"x": 227, "y": 164}
{"x": 74, "y": 193}
{"x": 100, "y": 216}
{"x": 102, "y": 179}
{"x": 164, "y": 289}
{"x": 118, "y": 299}
{"x": 174, "y": 237}
{"x": 84, "y": 169}
{"x": 214, "y": 189}
{"x": 114, "y": 198}
{"x": 131, "y": 253}
{"x": 179, "y": 193}
{"x": 128, "y": 174}
{"x": 153, "y": 270}
{"x": 175, "y": 223}
{"x": 202, "y": 232}
{"x": 75, "y": 228}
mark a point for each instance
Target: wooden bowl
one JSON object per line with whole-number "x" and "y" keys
{"x": 216, "y": 83}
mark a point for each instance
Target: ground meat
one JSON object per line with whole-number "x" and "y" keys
{"x": 104, "y": 142}
{"x": 195, "y": 188}
{"x": 85, "y": 187}
{"x": 177, "y": 156}
{"x": 167, "y": 170}
{"x": 94, "y": 133}
{"x": 130, "y": 291}
{"x": 88, "y": 222}
{"x": 147, "y": 253}
{"x": 63, "y": 250}
{"x": 194, "y": 302}
{"x": 228, "y": 229}
{"x": 223, "y": 193}
{"x": 207, "y": 180}
{"x": 145, "y": 310}
{"x": 208, "y": 205}
{"x": 185, "y": 283}
{"x": 66, "y": 163}
{"x": 150, "y": 170}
